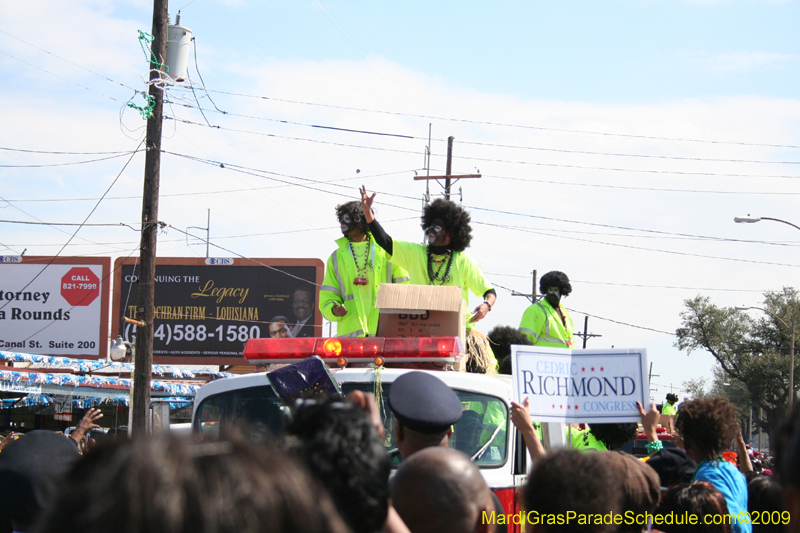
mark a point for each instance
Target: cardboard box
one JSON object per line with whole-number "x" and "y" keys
{"x": 421, "y": 311}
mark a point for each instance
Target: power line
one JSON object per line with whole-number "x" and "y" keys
{"x": 84, "y": 222}
{"x": 59, "y": 77}
{"x": 629, "y": 284}
{"x": 630, "y": 188}
{"x": 672, "y": 252}
{"x": 67, "y": 164}
{"x": 492, "y": 145}
{"x": 70, "y": 62}
{"x": 291, "y": 122}
{"x": 484, "y": 159}
{"x": 121, "y": 152}
{"x": 658, "y": 234}
{"x": 599, "y": 317}
{"x": 489, "y": 123}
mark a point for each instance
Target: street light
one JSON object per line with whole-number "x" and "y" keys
{"x": 752, "y": 220}
{"x": 791, "y": 348}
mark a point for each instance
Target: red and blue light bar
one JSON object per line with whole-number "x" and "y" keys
{"x": 375, "y": 350}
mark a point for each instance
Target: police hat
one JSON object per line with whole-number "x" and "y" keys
{"x": 424, "y": 403}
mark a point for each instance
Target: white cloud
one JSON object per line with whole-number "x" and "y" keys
{"x": 741, "y": 61}
{"x": 614, "y": 277}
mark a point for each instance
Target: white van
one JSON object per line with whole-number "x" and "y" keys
{"x": 485, "y": 431}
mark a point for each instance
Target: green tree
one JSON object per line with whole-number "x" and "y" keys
{"x": 695, "y": 387}
{"x": 752, "y": 349}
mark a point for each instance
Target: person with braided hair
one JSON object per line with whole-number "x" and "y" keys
{"x": 353, "y": 274}
{"x": 547, "y": 323}
{"x": 442, "y": 261}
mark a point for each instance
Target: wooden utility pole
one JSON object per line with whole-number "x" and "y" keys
{"x": 448, "y": 177}
{"x": 586, "y": 335}
{"x": 449, "y": 168}
{"x": 147, "y": 248}
{"x": 533, "y": 297}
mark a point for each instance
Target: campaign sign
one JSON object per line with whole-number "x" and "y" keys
{"x": 55, "y": 306}
{"x": 577, "y": 386}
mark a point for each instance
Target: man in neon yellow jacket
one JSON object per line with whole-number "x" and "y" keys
{"x": 443, "y": 262}
{"x": 547, "y": 323}
{"x": 353, "y": 274}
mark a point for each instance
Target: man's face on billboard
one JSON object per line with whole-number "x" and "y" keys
{"x": 302, "y": 303}
{"x": 278, "y": 330}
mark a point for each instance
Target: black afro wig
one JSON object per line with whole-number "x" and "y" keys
{"x": 614, "y": 436}
{"x": 502, "y": 337}
{"x": 456, "y": 222}
{"x": 672, "y": 398}
{"x": 556, "y": 279}
{"x": 356, "y": 213}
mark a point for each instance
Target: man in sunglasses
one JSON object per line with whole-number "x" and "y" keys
{"x": 353, "y": 274}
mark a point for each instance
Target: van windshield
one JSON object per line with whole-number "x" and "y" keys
{"x": 481, "y": 432}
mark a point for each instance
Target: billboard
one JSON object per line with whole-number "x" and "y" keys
{"x": 207, "y": 308}
{"x": 55, "y": 305}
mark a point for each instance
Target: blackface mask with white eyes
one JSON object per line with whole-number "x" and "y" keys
{"x": 347, "y": 224}
{"x": 553, "y": 296}
{"x": 435, "y": 234}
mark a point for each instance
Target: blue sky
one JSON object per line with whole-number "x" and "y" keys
{"x": 615, "y": 51}
{"x": 617, "y": 140}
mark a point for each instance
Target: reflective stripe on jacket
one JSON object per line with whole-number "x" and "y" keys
{"x": 544, "y": 327}
{"x": 337, "y": 287}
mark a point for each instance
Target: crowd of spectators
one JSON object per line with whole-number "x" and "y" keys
{"x": 331, "y": 473}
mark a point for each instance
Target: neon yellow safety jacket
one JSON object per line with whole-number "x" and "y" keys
{"x": 544, "y": 325}
{"x": 465, "y": 272}
{"x": 585, "y": 441}
{"x": 362, "y": 318}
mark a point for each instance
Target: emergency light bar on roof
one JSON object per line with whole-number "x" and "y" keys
{"x": 343, "y": 350}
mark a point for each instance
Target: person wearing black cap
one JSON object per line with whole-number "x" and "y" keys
{"x": 669, "y": 409}
{"x": 31, "y": 469}
{"x": 425, "y": 409}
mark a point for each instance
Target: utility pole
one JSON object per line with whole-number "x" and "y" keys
{"x": 650, "y": 377}
{"x": 449, "y": 168}
{"x": 147, "y": 248}
{"x": 585, "y": 335}
{"x": 533, "y": 297}
{"x": 448, "y": 177}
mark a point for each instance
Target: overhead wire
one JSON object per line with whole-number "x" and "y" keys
{"x": 672, "y": 252}
{"x": 60, "y": 77}
{"x": 600, "y": 317}
{"x": 70, "y": 62}
{"x": 520, "y": 126}
{"x": 496, "y": 145}
{"x": 71, "y": 163}
{"x": 631, "y": 284}
{"x": 484, "y": 159}
{"x": 84, "y": 221}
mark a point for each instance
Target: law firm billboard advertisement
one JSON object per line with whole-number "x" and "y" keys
{"x": 207, "y": 308}
{"x": 55, "y": 305}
